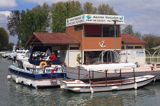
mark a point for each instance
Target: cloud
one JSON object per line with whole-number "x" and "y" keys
{"x": 5, "y": 13}
{"x": 40, "y": 2}
{"x": 3, "y": 18}
{"x": 7, "y": 3}
{"x": 142, "y": 14}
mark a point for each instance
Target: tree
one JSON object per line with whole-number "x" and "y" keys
{"x": 138, "y": 34}
{"x": 106, "y": 9}
{"x": 88, "y": 8}
{"x": 3, "y": 38}
{"x": 35, "y": 20}
{"x": 128, "y": 30}
{"x": 24, "y": 23}
{"x": 151, "y": 40}
{"x": 10, "y": 46}
{"x": 63, "y": 10}
{"x": 14, "y": 22}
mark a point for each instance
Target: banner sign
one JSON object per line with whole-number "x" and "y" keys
{"x": 95, "y": 19}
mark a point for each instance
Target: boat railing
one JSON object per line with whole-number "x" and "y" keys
{"x": 46, "y": 70}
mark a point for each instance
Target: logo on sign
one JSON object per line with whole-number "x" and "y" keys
{"x": 88, "y": 17}
{"x": 102, "y": 44}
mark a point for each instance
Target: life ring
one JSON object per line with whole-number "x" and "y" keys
{"x": 43, "y": 64}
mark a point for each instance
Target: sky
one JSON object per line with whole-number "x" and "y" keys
{"x": 143, "y": 15}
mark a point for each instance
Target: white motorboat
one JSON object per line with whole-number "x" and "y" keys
{"x": 93, "y": 85}
{"x": 36, "y": 71}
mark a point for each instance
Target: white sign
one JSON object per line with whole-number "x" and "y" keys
{"x": 95, "y": 19}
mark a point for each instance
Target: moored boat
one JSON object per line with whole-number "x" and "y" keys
{"x": 42, "y": 74}
{"x": 107, "y": 84}
{"x": 37, "y": 77}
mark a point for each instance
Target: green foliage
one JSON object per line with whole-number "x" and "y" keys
{"x": 128, "y": 30}
{"x": 24, "y": 23}
{"x": 33, "y": 21}
{"x": 106, "y": 9}
{"x": 14, "y": 22}
{"x": 79, "y": 58}
{"x": 88, "y": 8}
{"x": 151, "y": 40}
{"x": 63, "y": 10}
{"x": 10, "y": 46}
{"x": 3, "y": 39}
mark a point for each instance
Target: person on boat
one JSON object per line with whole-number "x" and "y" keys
{"x": 53, "y": 57}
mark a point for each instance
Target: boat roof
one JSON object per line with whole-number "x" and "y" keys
{"x": 106, "y": 67}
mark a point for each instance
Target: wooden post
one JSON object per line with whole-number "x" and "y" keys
{"x": 120, "y": 73}
{"x": 89, "y": 77}
{"x": 92, "y": 74}
{"x": 134, "y": 75}
{"x": 106, "y": 76}
{"x": 135, "y": 84}
{"x": 78, "y": 72}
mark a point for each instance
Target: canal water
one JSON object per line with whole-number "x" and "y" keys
{"x": 12, "y": 94}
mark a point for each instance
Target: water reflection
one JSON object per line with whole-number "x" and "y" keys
{"x": 12, "y": 94}
{"x": 120, "y": 98}
{"x": 20, "y": 95}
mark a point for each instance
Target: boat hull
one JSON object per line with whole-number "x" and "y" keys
{"x": 35, "y": 80}
{"x": 80, "y": 86}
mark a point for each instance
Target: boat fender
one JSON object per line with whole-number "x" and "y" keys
{"x": 135, "y": 85}
{"x": 28, "y": 83}
{"x": 17, "y": 80}
{"x": 91, "y": 89}
{"x": 8, "y": 76}
{"x": 43, "y": 64}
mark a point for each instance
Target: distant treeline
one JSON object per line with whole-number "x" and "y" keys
{"x": 4, "y": 40}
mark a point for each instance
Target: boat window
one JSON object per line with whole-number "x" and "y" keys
{"x": 91, "y": 57}
{"x": 138, "y": 47}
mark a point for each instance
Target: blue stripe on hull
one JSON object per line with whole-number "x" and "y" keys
{"x": 38, "y": 76}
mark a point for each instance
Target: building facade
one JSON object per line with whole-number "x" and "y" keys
{"x": 89, "y": 39}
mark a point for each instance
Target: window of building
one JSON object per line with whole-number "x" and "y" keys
{"x": 109, "y": 31}
{"x": 138, "y": 47}
{"x": 130, "y": 47}
{"x": 74, "y": 47}
{"x": 93, "y": 30}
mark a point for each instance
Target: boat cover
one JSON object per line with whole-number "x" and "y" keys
{"x": 104, "y": 67}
